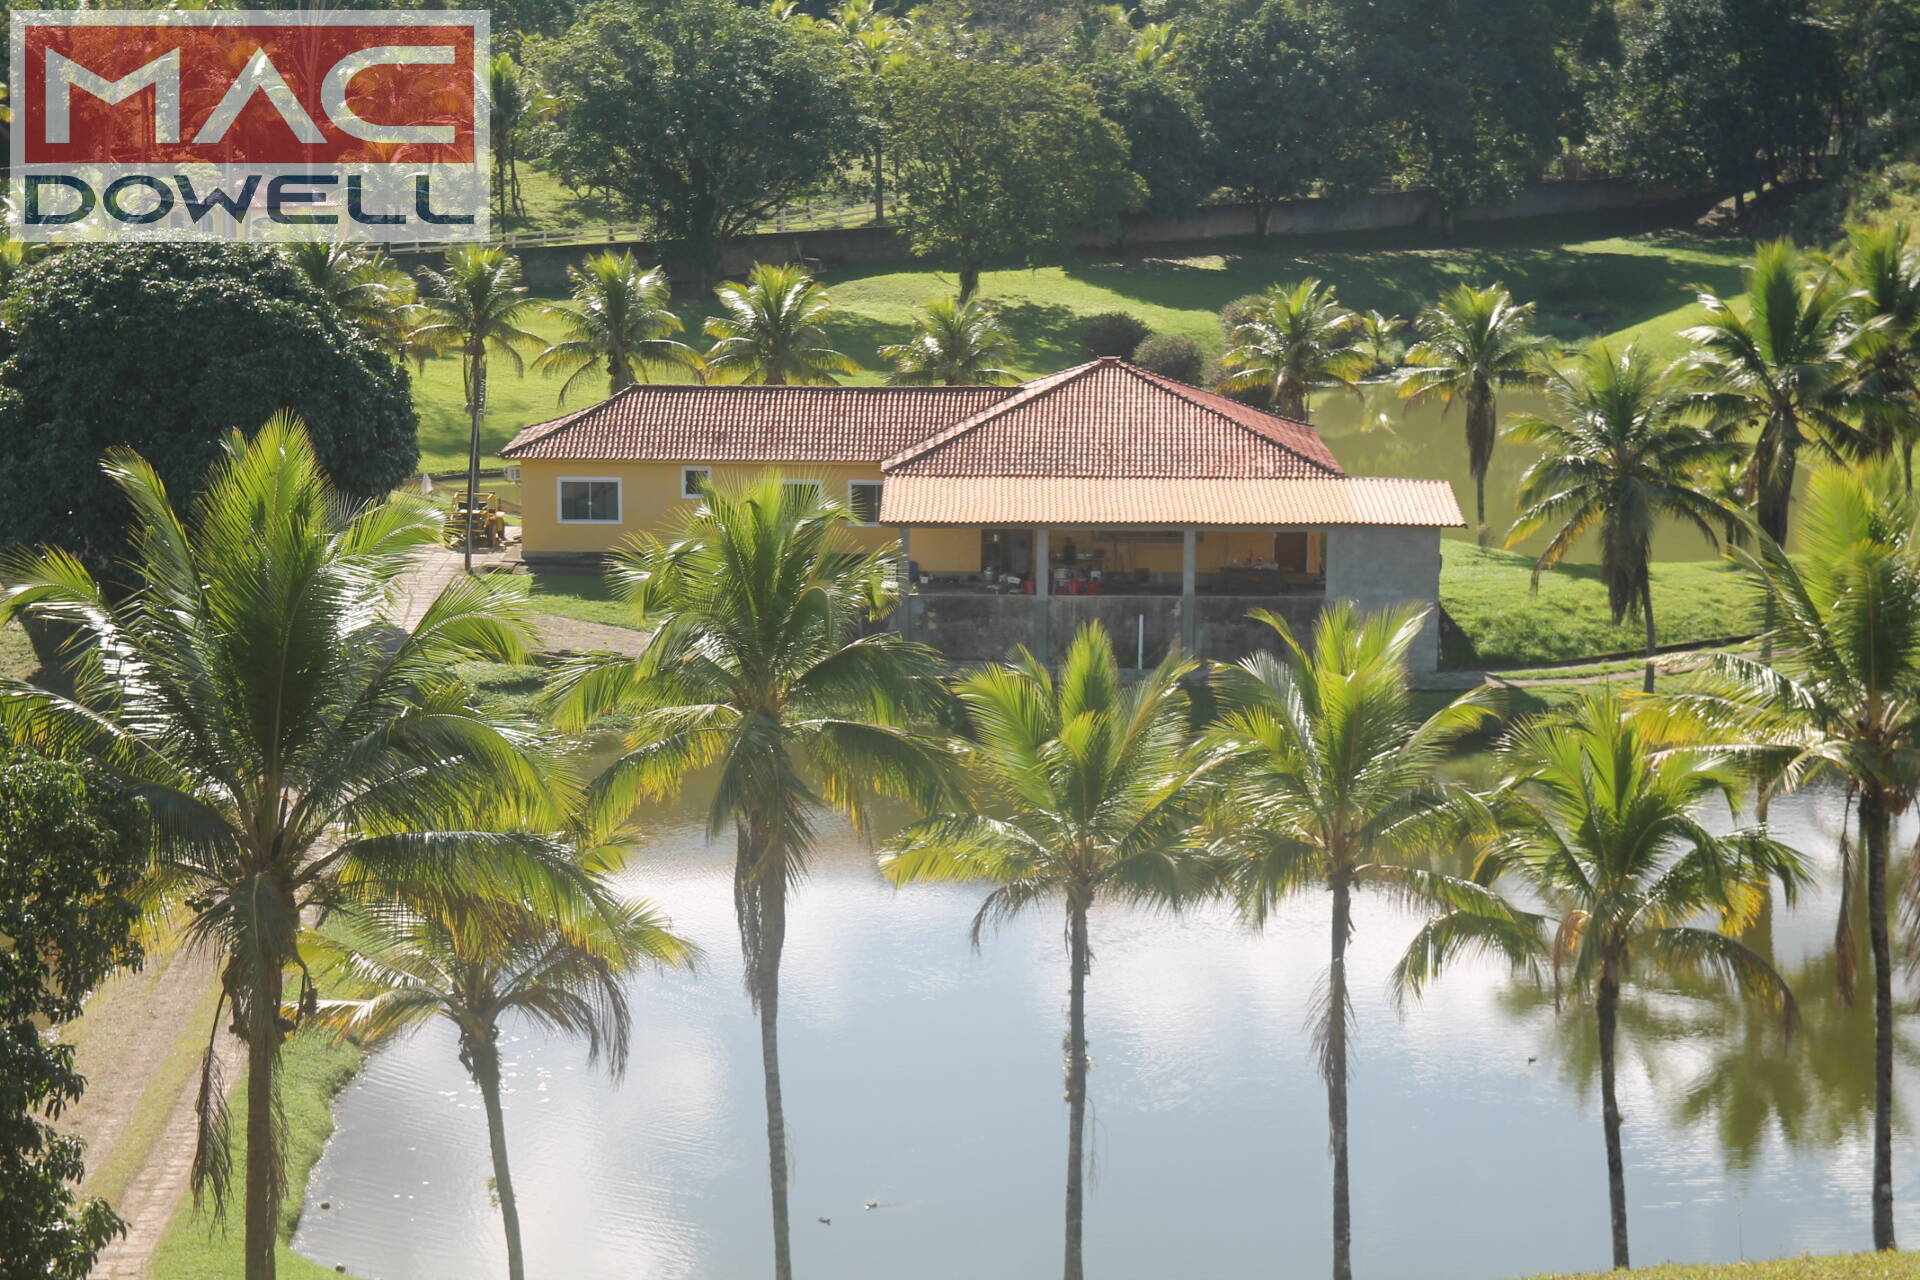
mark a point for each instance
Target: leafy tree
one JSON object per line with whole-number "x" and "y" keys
{"x": 956, "y": 344}
{"x": 769, "y": 330}
{"x": 619, "y": 320}
{"x": 1599, "y": 812}
{"x": 70, "y": 861}
{"x": 757, "y": 670}
{"x": 1778, "y": 367}
{"x": 876, "y": 41}
{"x": 474, "y": 965}
{"x": 1840, "y": 700}
{"x": 1293, "y": 342}
{"x": 1002, "y": 160}
{"x": 1474, "y": 344}
{"x": 1168, "y": 146}
{"x": 1618, "y": 453}
{"x": 290, "y": 753}
{"x": 1086, "y": 790}
{"x": 1330, "y": 771}
{"x": 700, "y": 115}
{"x": 163, "y": 348}
{"x": 476, "y": 307}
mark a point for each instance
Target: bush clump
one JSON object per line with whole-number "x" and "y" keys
{"x": 1112, "y": 333}
{"x": 1171, "y": 355}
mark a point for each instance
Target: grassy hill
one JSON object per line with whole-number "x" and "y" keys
{"x": 1860, "y": 1266}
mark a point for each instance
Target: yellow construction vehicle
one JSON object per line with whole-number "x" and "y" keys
{"x": 489, "y": 523}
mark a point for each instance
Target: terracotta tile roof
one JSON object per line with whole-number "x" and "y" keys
{"x": 1108, "y": 418}
{"x": 1324, "y": 500}
{"x": 678, "y": 423}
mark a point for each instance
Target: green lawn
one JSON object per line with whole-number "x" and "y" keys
{"x": 1501, "y": 622}
{"x": 587, "y": 597}
{"x": 1585, "y": 282}
{"x": 314, "y": 1068}
{"x": 16, "y": 654}
{"x": 1858, "y": 1266}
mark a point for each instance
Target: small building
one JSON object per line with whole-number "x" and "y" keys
{"x": 1101, "y": 493}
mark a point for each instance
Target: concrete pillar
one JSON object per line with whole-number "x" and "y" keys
{"x": 1189, "y": 588}
{"x": 906, "y": 581}
{"x": 1042, "y": 580}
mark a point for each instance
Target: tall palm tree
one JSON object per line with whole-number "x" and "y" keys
{"x": 769, "y": 330}
{"x": 476, "y": 307}
{"x": 1842, "y": 700}
{"x": 1474, "y": 344}
{"x": 291, "y": 752}
{"x": 1617, "y": 453}
{"x": 1380, "y": 339}
{"x": 1085, "y": 791}
{"x": 955, "y": 344}
{"x": 619, "y": 321}
{"x": 474, "y": 965}
{"x": 757, "y": 669}
{"x": 513, "y": 100}
{"x": 364, "y": 287}
{"x": 1598, "y": 811}
{"x": 1331, "y": 772}
{"x": 1778, "y": 367}
{"x": 1294, "y": 342}
{"x": 1880, "y": 273}
{"x": 877, "y": 41}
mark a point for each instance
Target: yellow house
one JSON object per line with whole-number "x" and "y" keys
{"x": 1103, "y": 493}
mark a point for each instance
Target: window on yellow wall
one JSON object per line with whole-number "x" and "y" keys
{"x": 863, "y": 501}
{"x": 589, "y": 500}
{"x": 693, "y": 480}
{"x": 809, "y": 490}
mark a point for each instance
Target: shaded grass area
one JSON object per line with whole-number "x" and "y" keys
{"x": 586, "y": 597}
{"x": 17, "y": 660}
{"x": 1858, "y": 1266}
{"x": 1499, "y": 621}
{"x": 1585, "y": 280}
{"x": 314, "y": 1068}
{"x": 517, "y": 689}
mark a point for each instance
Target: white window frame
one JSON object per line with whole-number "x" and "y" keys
{"x": 853, "y": 511}
{"x": 560, "y": 484}
{"x": 818, "y": 485}
{"x": 686, "y": 471}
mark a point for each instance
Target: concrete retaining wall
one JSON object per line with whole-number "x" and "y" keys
{"x": 1379, "y": 566}
{"x": 980, "y": 628}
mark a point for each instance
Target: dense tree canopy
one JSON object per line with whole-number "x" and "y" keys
{"x": 164, "y": 348}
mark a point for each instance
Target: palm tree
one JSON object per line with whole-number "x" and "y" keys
{"x": 1881, "y": 273}
{"x": 476, "y": 964}
{"x": 770, "y": 330}
{"x": 1841, "y": 700}
{"x": 1475, "y": 343}
{"x": 476, "y": 307}
{"x": 364, "y": 286}
{"x": 1618, "y": 454}
{"x": 1331, "y": 773}
{"x": 1598, "y": 811}
{"x": 291, "y": 752}
{"x": 1778, "y": 367}
{"x": 618, "y": 321}
{"x": 1085, "y": 792}
{"x": 955, "y": 344}
{"x": 758, "y": 671}
{"x": 512, "y": 102}
{"x": 1379, "y": 338}
{"x": 877, "y": 42}
{"x": 1294, "y": 342}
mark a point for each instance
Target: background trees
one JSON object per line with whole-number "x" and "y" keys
{"x": 700, "y": 115}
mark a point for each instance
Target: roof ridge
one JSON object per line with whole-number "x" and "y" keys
{"x": 1030, "y": 391}
{"x": 1180, "y": 389}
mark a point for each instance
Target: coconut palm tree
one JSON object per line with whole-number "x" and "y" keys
{"x": 364, "y": 287}
{"x": 1331, "y": 773}
{"x": 757, "y": 670}
{"x": 1777, "y": 367}
{"x": 477, "y": 964}
{"x": 1841, "y": 699}
{"x": 618, "y": 321}
{"x": 291, "y": 750}
{"x": 1474, "y": 344}
{"x": 476, "y": 307}
{"x": 1598, "y": 811}
{"x": 1880, "y": 273}
{"x": 1292, "y": 343}
{"x": 877, "y": 42}
{"x": 1617, "y": 454}
{"x": 770, "y": 331}
{"x": 1085, "y": 791}
{"x": 513, "y": 102}
{"x": 1380, "y": 339}
{"x": 955, "y": 344}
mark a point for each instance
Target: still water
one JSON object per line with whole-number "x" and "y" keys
{"x": 927, "y": 1078}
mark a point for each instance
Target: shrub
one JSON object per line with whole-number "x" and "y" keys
{"x": 1171, "y": 355}
{"x": 1112, "y": 333}
{"x": 1238, "y": 312}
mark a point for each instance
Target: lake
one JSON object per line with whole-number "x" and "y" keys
{"x": 927, "y": 1077}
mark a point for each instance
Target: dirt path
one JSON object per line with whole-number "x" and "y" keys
{"x": 435, "y": 567}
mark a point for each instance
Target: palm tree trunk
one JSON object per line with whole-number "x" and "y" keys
{"x": 1608, "y": 1006}
{"x": 486, "y": 1074}
{"x": 1646, "y": 607}
{"x": 760, "y": 902}
{"x": 879, "y": 186}
{"x": 1336, "y": 1072}
{"x": 776, "y": 1124}
{"x": 1079, "y": 956}
{"x": 969, "y": 280}
{"x": 1876, "y": 820}
{"x": 473, "y": 452}
{"x": 263, "y": 1139}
